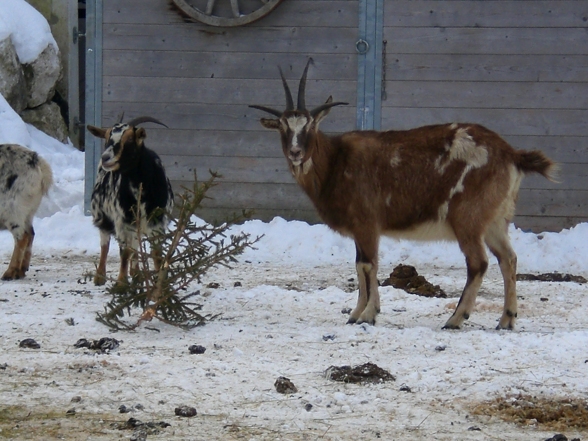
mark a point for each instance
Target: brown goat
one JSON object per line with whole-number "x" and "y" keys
{"x": 440, "y": 182}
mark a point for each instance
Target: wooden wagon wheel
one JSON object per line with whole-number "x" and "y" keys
{"x": 226, "y": 13}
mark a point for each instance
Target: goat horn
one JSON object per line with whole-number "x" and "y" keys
{"x": 289, "y": 101}
{"x": 143, "y": 119}
{"x": 268, "y": 110}
{"x": 121, "y": 116}
{"x": 302, "y": 88}
{"x": 314, "y": 112}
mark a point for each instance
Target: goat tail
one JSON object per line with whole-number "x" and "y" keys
{"x": 46, "y": 175}
{"x": 535, "y": 161}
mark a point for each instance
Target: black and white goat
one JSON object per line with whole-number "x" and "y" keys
{"x": 25, "y": 178}
{"x": 126, "y": 167}
{"x": 442, "y": 182}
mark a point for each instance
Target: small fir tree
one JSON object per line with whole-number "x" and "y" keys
{"x": 182, "y": 254}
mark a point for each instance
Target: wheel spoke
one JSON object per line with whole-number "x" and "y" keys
{"x": 235, "y": 8}
{"x": 210, "y": 7}
{"x": 232, "y": 17}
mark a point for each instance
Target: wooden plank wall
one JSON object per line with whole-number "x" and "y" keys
{"x": 518, "y": 67}
{"x": 199, "y": 80}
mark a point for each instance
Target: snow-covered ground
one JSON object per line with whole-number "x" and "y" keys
{"x": 284, "y": 320}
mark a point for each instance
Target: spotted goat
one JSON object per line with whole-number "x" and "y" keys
{"x": 25, "y": 178}
{"x": 127, "y": 167}
{"x": 441, "y": 182}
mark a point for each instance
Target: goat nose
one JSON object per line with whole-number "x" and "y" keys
{"x": 295, "y": 152}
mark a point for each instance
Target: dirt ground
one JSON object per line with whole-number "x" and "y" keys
{"x": 279, "y": 321}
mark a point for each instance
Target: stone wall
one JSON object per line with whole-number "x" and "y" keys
{"x": 29, "y": 86}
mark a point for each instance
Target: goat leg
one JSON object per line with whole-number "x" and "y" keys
{"x": 499, "y": 244}
{"x": 368, "y": 301}
{"x": 26, "y": 260}
{"x": 14, "y": 270}
{"x": 100, "y": 276}
{"x": 477, "y": 263}
{"x": 125, "y": 257}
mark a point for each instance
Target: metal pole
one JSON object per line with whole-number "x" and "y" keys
{"x": 369, "y": 79}
{"x": 93, "y": 94}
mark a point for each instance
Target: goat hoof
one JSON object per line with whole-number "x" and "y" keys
{"x": 351, "y": 321}
{"x": 99, "y": 280}
{"x": 13, "y": 275}
{"x": 505, "y": 328}
{"x": 451, "y": 327}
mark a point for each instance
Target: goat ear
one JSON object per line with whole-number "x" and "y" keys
{"x": 272, "y": 124}
{"x": 140, "y": 136}
{"x": 324, "y": 112}
{"x": 97, "y": 131}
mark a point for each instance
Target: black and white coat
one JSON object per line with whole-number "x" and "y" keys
{"x": 25, "y": 178}
{"x": 127, "y": 167}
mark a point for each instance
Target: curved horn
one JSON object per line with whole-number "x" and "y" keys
{"x": 268, "y": 110}
{"x": 143, "y": 119}
{"x": 314, "y": 112}
{"x": 302, "y": 88}
{"x": 289, "y": 102}
{"x": 120, "y": 118}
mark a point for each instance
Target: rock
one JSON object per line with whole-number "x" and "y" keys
{"x": 133, "y": 423}
{"x": 197, "y": 349}
{"x": 365, "y": 373}
{"x": 48, "y": 119}
{"x": 185, "y": 411}
{"x": 41, "y": 76}
{"x": 12, "y": 81}
{"x": 104, "y": 345}
{"x": 139, "y": 434}
{"x": 285, "y": 386}
{"x": 29, "y": 343}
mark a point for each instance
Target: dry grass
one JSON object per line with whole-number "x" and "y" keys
{"x": 22, "y": 423}
{"x": 550, "y": 412}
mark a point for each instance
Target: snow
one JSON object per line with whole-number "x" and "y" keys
{"x": 294, "y": 285}
{"x": 28, "y": 29}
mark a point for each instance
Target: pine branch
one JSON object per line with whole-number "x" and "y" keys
{"x": 184, "y": 253}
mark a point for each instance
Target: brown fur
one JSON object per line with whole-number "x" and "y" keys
{"x": 454, "y": 181}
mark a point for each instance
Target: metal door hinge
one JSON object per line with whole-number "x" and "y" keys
{"x": 77, "y": 35}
